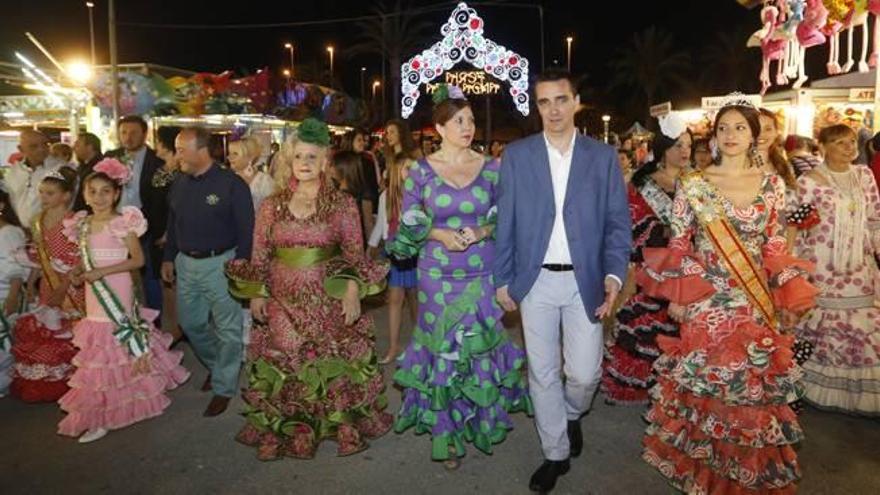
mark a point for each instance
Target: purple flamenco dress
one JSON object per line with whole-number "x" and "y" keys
{"x": 461, "y": 375}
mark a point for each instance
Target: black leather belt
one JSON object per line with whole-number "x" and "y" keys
{"x": 200, "y": 255}
{"x": 557, "y": 267}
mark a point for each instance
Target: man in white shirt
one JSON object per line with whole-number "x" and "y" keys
{"x": 132, "y": 133}
{"x": 22, "y": 180}
{"x": 563, "y": 241}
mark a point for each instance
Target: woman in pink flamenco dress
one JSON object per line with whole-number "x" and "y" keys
{"x": 123, "y": 367}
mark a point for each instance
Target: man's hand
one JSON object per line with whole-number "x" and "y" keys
{"x": 612, "y": 288}
{"x": 167, "y": 272}
{"x": 504, "y": 300}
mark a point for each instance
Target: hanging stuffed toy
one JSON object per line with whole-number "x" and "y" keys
{"x": 794, "y": 16}
{"x": 809, "y": 34}
{"x": 874, "y": 9}
{"x": 856, "y": 17}
{"x": 772, "y": 47}
{"x": 837, "y": 12}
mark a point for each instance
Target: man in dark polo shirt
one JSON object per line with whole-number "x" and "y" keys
{"x": 210, "y": 221}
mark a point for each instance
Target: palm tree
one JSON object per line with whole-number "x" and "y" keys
{"x": 730, "y": 65}
{"x": 393, "y": 34}
{"x": 649, "y": 68}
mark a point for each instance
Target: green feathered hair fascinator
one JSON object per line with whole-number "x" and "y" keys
{"x": 313, "y": 131}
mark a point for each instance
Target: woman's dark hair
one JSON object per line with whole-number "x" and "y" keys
{"x": 749, "y": 113}
{"x": 407, "y": 143}
{"x": 67, "y": 181}
{"x": 8, "y": 212}
{"x": 347, "y": 143}
{"x": 348, "y": 165}
{"x": 661, "y": 145}
{"x": 446, "y": 109}
{"x": 166, "y": 136}
{"x": 703, "y": 143}
{"x": 105, "y": 178}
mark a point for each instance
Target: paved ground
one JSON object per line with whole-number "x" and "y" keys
{"x": 181, "y": 452}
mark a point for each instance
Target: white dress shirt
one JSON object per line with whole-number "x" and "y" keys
{"x": 131, "y": 193}
{"x": 560, "y": 169}
{"x": 23, "y": 185}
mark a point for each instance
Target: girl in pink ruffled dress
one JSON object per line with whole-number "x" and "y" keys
{"x": 123, "y": 367}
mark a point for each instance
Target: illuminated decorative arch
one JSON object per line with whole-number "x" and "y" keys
{"x": 463, "y": 40}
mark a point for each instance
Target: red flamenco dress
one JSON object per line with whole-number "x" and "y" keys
{"x": 627, "y": 373}
{"x": 43, "y": 346}
{"x": 720, "y": 421}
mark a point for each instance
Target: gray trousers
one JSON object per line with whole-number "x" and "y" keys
{"x": 554, "y": 300}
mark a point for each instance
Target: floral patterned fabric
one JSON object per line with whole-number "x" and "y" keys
{"x": 844, "y": 371}
{"x": 310, "y": 377}
{"x": 629, "y": 356}
{"x": 720, "y": 420}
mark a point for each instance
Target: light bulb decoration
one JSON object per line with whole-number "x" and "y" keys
{"x": 463, "y": 40}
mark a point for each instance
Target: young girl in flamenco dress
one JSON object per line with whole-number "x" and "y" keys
{"x": 123, "y": 367}
{"x": 42, "y": 347}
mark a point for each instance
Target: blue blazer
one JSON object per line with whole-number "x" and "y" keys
{"x": 596, "y": 216}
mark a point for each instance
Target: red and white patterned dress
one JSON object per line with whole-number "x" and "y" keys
{"x": 720, "y": 421}
{"x": 627, "y": 368}
{"x": 42, "y": 347}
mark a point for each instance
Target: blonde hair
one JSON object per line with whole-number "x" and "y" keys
{"x": 249, "y": 147}
{"x": 282, "y": 165}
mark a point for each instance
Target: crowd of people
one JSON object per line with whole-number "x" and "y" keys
{"x": 738, "y": 271}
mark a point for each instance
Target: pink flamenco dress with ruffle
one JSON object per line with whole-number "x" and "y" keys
{"x": 105, "y": 390}
{"x": 720, "y": 421}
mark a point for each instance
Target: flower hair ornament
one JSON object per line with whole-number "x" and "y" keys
{"x": 673, "y": 125}
{"x": 116, "y": 170}
{"x": 313, "y": 131}
{"x": 447, "y": 92}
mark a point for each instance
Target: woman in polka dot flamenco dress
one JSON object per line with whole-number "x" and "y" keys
{"x": 843, "y": 372}
{"x": 461, "y": 375}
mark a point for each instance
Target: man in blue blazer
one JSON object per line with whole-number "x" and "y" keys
{"x": 563, "y": 242}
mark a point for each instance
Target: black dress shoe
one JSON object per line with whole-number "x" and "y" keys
{"x": 544, "y": 478}
{"x": 216, "y": 407}
{"x": 575, "y": 438}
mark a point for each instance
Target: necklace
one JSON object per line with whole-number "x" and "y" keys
{"x": 845, "y": 183}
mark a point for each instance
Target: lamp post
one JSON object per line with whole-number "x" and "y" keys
{"x": 287, "y": 73}
{"x": 376, "y": 85}
{"x": 363, "y": 87}
{"x": 568, "y": 51}
{"x": 330, "y": 51}
{"x": 91, "y": 6}
{"x": 289, "y": 46}
{"x": 606, "y": 119}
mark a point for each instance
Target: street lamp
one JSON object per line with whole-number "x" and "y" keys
{"x": 330, "y": 51}
{"x": 568, "y": 61}
{"x": 376, "y": 85}
{"x": 363, "y": 87}
{"x": 91, "y": 6}
{"x": 80, "y": 72}
{"x": 606, "y": 119}
{"x": 289, "y": 46}
{"x": 287, "y": 73}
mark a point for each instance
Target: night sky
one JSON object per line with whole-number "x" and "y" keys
{"x": 598, "y": 28}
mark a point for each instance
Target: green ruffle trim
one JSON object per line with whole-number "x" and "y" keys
{"x": 484, "y": 395}
{"x": 337, "y": 284}
{"x": 268, "y": 380}
{"x": 245, "y": 281}
{"x": 412, "y": 233}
